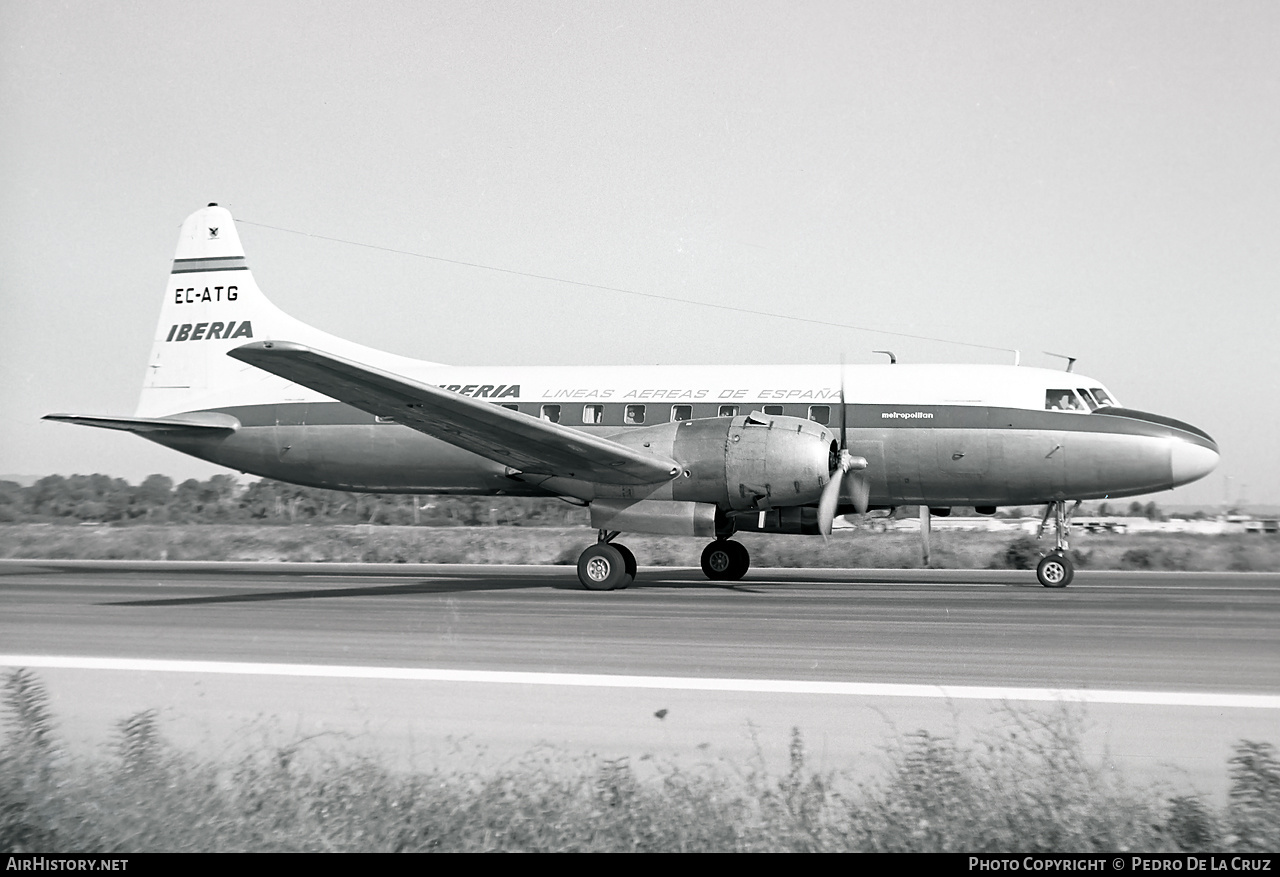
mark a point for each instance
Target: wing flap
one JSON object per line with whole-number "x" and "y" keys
{"x": 517, "y": 440}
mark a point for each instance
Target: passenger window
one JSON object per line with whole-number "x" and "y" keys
{"x": 1102, "y": 397}
{"x": 510, "y": 407}
{"x": 773, "y": 409}
{"x": 681, "y": 412}
{"x": 551, "y": 412}
{"x": 820, "y": 414}
{"x": 593, "y": 414}
{"x": 1062, "y": 400}
{"x": 728, "y": 410}
{"x": 634, "y": 414}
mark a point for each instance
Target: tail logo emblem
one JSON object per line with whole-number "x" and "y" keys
{"x": 213, "y": 233}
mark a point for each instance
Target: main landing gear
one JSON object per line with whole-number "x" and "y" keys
{"x": 610, "y": 566}
{"x": 606, "y": 566}
{"x": 725, "y": 560}
{"x": 1055, "y": 569}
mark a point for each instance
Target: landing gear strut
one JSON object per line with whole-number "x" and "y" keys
{"x": 606, "y": 566}
{"x": 1055, "y": 569}
{"x": 725, "y": 560}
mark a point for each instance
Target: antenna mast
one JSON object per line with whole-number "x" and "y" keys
{"x": 1071, "y": 360}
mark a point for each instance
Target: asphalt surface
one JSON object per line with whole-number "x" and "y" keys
{"x": 1142, "y": 632}
{"x": 1151, "y": 631}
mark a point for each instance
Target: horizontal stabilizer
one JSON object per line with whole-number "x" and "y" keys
{"x": 202, "y": 422}
{"x": 526, "y": 444}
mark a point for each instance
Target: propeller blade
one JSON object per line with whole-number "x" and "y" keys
{"x": 829, "y": 500}
{"x": 844, "y": 416}
{"x": 861, "y": 493}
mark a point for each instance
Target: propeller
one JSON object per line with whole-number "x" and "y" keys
{"x": 844, "y": 464}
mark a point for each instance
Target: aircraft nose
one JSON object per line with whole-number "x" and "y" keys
{"x": 1190, "y": 461}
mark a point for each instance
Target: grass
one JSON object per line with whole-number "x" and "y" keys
{"x": 390, "y": 544}
{"x": 1028, "y": 788}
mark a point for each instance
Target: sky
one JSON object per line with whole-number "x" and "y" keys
{"x": 1100, "y": 180}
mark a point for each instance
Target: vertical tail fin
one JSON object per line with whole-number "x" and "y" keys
{"x": 211, "y": 305}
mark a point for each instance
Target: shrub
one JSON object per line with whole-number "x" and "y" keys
{"x": 1022, "y": 553}
{"x": 1029, "y": 788}
{"x": 1159, "y": 557}
{"x": 1190, "y": 826}
{"x": 1253, "y": 811}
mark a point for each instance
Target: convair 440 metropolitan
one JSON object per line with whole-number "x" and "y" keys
{"x": 681, "y": 450}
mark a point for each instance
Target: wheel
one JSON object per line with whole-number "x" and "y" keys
{"x": 602, "y": 567}
{"x": 628, "y": 563}
{"x": 725, "y": 561}
{"x": 716, "y": 560}
{"x": 1055, "y": 570}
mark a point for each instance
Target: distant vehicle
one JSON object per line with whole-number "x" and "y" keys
{"x": 1266, "y": 526}
{"x": 677, "y": 450}
{"x": 1103, "y": 525}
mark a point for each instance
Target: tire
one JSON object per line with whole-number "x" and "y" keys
{"x": 725, "y": 561}
{"x": 602, "y": 567}
{"x": 1055, "y": 570}
{"x": 628, "y": 563}
{"x": 741, "y": 561}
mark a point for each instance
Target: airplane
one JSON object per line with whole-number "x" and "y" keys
{"x": 704, "y": 451}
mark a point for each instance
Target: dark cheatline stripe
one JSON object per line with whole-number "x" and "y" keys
{"x": 862, "y": 418}
{"x": 214, "y": 263}
{"x": 1159, "y": 419}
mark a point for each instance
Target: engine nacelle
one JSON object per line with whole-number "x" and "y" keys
{"x": 657, "y": 516}
{"x": 754, "y": 461}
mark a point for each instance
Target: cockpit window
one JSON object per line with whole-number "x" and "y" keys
{"x": 1062, "y": 400}
{"x": 1103, "y": 397}
{"x": 1088, "y": 398}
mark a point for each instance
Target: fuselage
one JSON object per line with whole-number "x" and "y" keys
{"x": 938, "y": 435}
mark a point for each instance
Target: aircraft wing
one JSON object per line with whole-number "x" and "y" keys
{"x": 517, "y": 440}
{"x": 189, "y": 424}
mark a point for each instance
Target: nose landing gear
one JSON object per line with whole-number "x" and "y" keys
{"x": 1055, "y": 569}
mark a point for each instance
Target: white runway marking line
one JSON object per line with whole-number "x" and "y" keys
{"x": 677, "y": 683}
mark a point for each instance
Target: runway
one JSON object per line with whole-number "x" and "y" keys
{"x": 1165, "y": 669}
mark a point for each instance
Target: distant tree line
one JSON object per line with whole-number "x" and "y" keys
{"x": 223, "y": 500}
{"x": 1150, "y": 511}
